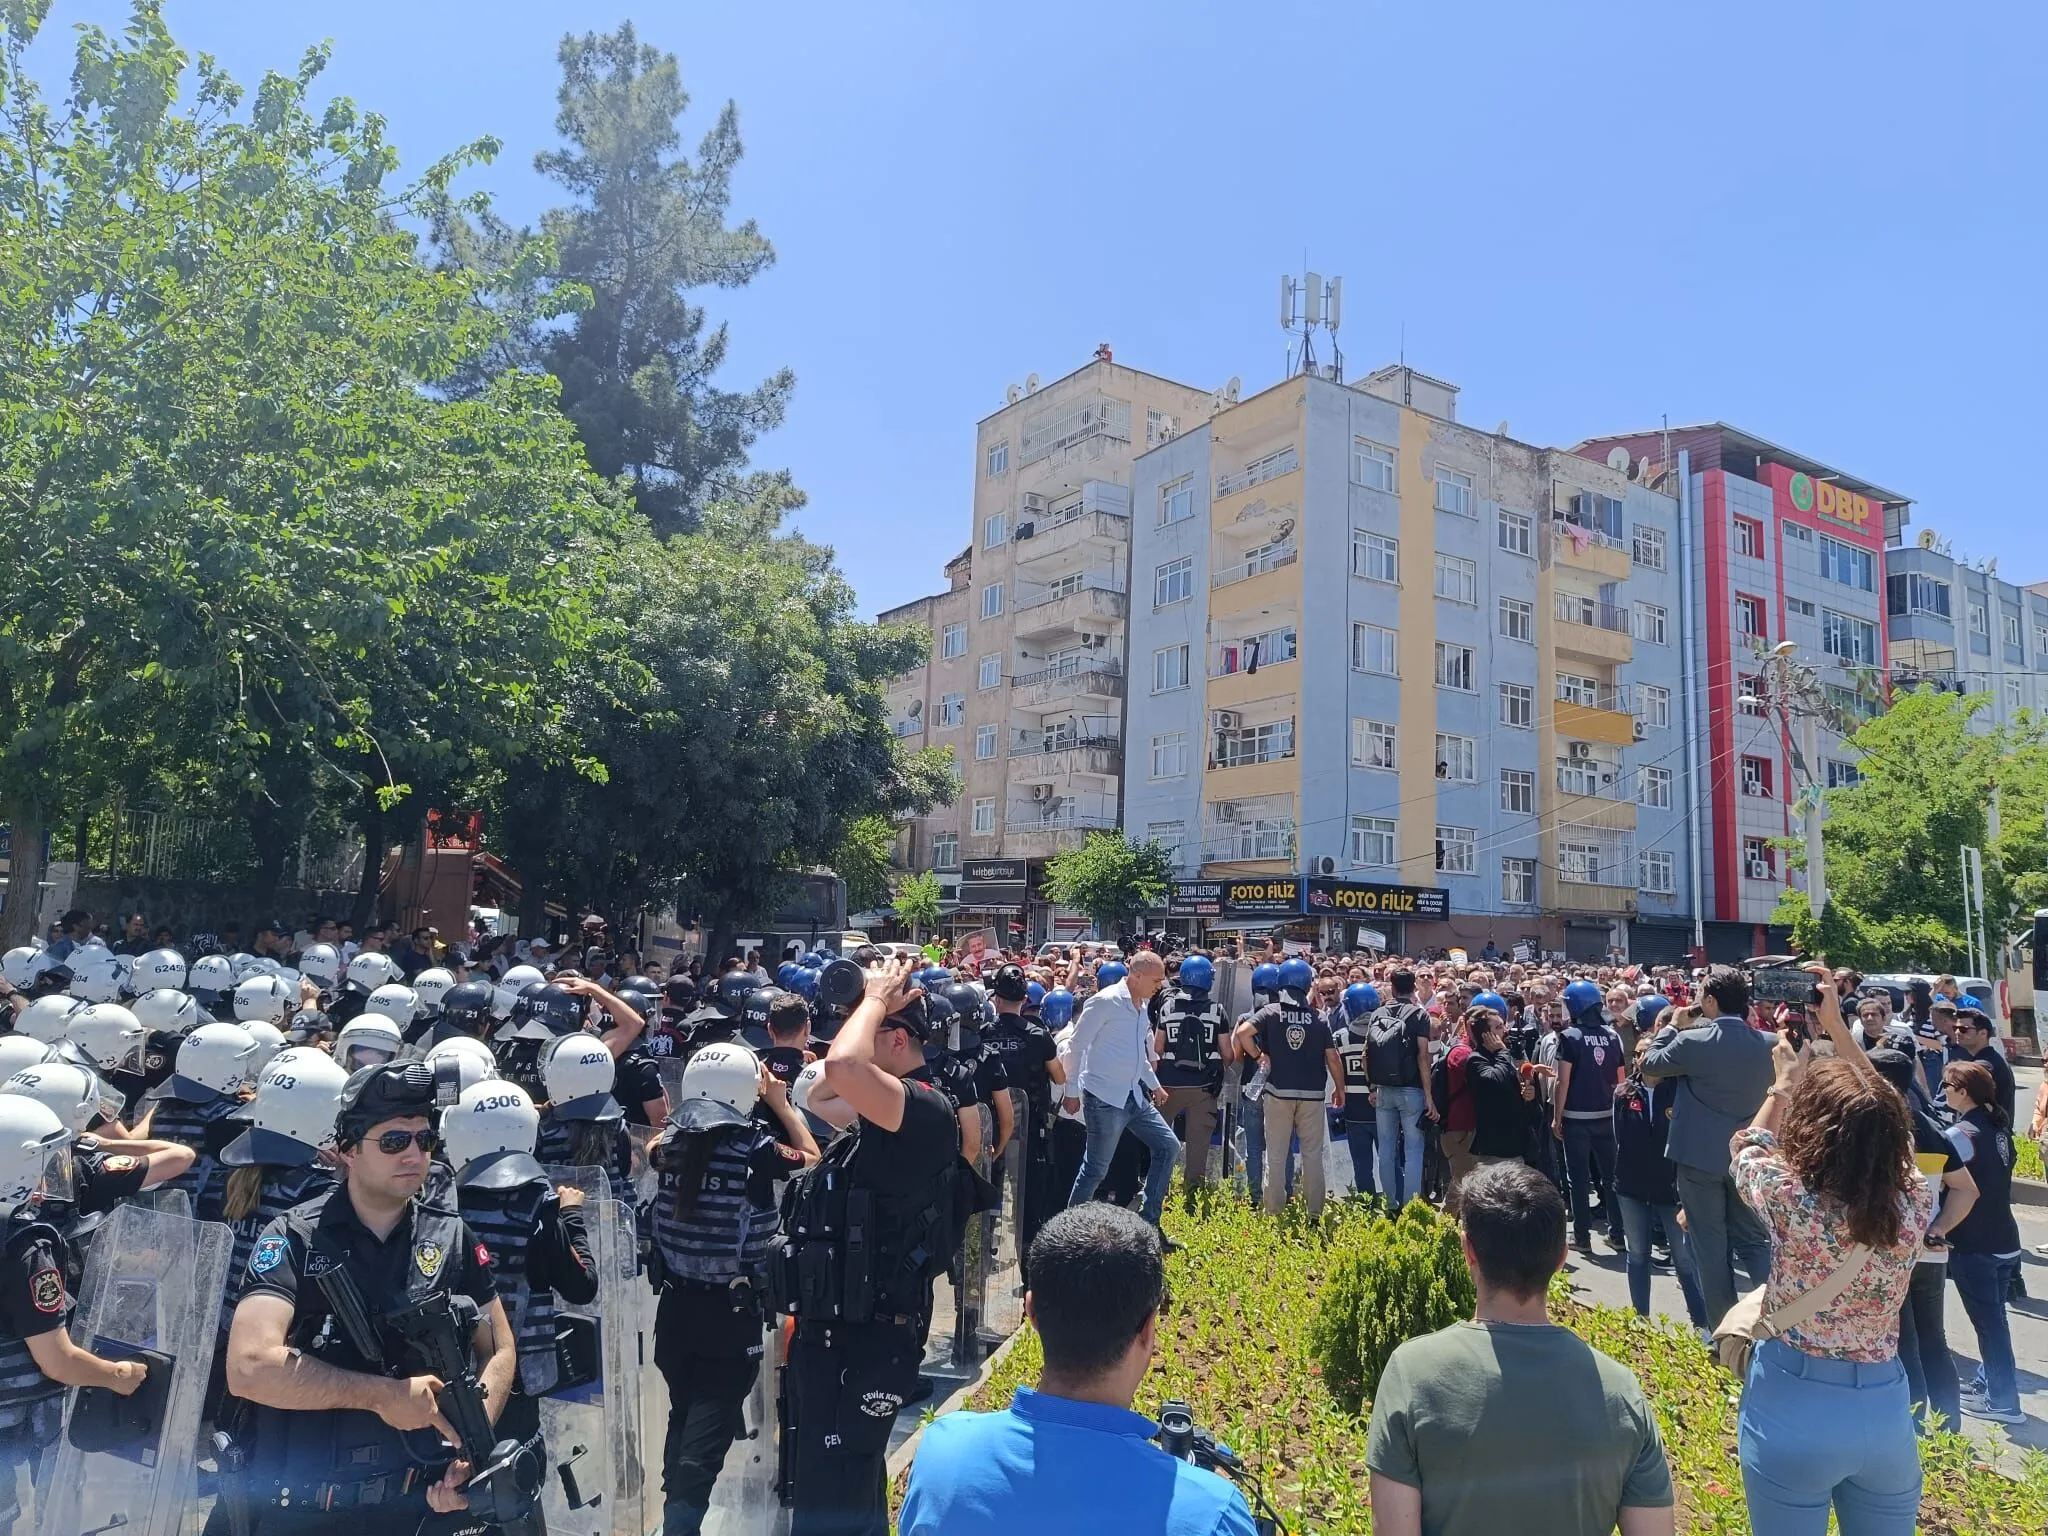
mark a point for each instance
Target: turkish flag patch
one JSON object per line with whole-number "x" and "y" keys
{"x": 483, "y": 1255}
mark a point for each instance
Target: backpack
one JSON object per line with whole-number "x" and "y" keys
{"x": 1390, "y": 1054}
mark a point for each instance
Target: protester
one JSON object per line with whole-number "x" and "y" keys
{"x": 1646, "y": 1188}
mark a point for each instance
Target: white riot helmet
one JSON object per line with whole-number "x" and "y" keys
{"x": 19, "y": 965}
{"x": 511, "y": 984}
{"x": 19, "y": 1051}
{"x": 488, "y": 1118}
{"x": 432, "y": 985}
{"x": 263, "y": 965}
{"x": 33, "y": 1144}
{"x": 157, "y": 968}
{"x": 69, "y": 1092}
{"x": 269, "y": 1041}
{"x": 164, "y": 1012}
{"x": 471, "y": 1061}
{"x": 369, "y": 971}
{"x": 265, "y": 997}
{"x": 292, "y": 1116}
{"x": 727, "y": 1072}
{"x": 48, "y": 1019}
{"x": 806, "y": 1080}
{"x": 110, "y": 1036}
{"x": 214, "y": 1060}
{"x": 211, "y": 973}
{"x": 578, "y": 1073}
{"x": 396, "y": 1002}
{"x": 322, "y": 962}
{"x": 96, "y": 974}
{"x": 368, "y": 1040}
{"x": 241, "y": 963}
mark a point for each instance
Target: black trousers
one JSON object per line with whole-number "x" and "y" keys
{"x": 702, "y": 1344}
{"x": 847, "y": 1383}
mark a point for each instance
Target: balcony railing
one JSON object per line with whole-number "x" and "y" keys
{"x": 1270, "y": 743}
{"x": 1271, "y": 467}
{"x": 1593, "y": 613}
{"x": 908, "y": 727}
{"x": 1092, "y": 680}
{"x": 1254, "y": 562}
{"x": 1063, "y": 531}
{"x": 1249, "y": 842}
{"x": 1566, "y": 526}
{"x": 1087, "y": 581}
{"x": 1033, "y": 743}
{"x": 1059, "y": 813}
{"x": 1620, "y": 700}
{"x": 1229, "y": 657}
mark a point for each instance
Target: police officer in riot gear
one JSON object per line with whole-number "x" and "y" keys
{"x": 1020, "y": 1039}
{"x": 196, "y": 1105}
{"x": 465, "y": 1014}
{"x": 1360, "y": 1002}
{"x": 1300, "y": 1061}
{"x": 861, "y": 1308}
{"x": 1193, "y": 1044}
{"x": 341, "y": 1427}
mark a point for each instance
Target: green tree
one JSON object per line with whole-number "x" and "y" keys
{"x": 863, "y": 861}
{"x": 1109, "y": 878}
{"x": 918, "y": 899}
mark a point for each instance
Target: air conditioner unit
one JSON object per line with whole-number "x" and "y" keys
{"x": 1323, "y": 864}
{"x": 1025, "y": 530}
{"x": 1041, "y": 791}
{"x": 1642, "y": 731}
{"x": 1030, "y": 503}
{"x": 1094, "y": 642}
{"x": 1226, "y": 810}
{"x": 1759, "y": 869}
{"x": 1228, "y": 719}
{"x": 1578, "y": 751}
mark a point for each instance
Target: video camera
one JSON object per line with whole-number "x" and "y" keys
{"x": 1184, "y": 1440}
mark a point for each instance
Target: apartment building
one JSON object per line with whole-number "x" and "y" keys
{"x": 1779, "y": 547}
{"x": 1396, "y": 680}
{"x": 915, "y": 701}
{"x": 1958, "y": 626}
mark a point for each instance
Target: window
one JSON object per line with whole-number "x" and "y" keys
{"x": 1372, "y": 840}
{"x": 1269, "y": 743}
{"x": 1457, "y": 850}
{"x": 1756, "y": 777}
{"x": 1457, "y": 759}
{"x": 1518, "y": 791}
{"x": 1579, "y": 863}
{"x": 1749, "y": 617}
{"x": 990, "y": 673}
{"x": 1457, "y": 579}
{"x": 1518, "y": 882}
{"x": 995, "y": 531}
{"x": 946, "y": 850}
{"x": 984, "y": 742}
{"x": 1454, "y": 492}
{"x": 992, "y": 600}
{"x": 953, "y": 642}
{"x": 1652, "y": 624}
{"x": 1373, "y": 650}
{"x": 1798, "y": 533}
{"x": 1159, "y": 427}
{"x": 1842, "y": 775}
{"x": 985, "y": 818}
{"x": 1849, "y": 703}
{"x": 1653, "y": 788}
{"x": 1849, "y": 639}
{"x": 1171, "y": 836}
{"x": 1649, "y": 547}
{"x": 1579, "y": 775}
{"x": 1518, "y": 705}
{"x": 1372, "y": 744}
{"x": 1173, "y": 582}
{"x": 1454, "y": 667}
{"x": 1653, "y": 706}
{"x": 1752, "y": 689}
{"x": 1516, "y": 532}
{"x": 1759, "y": 859}
{"x": 1979, "y": 624}
{"x": 1170, "y": 755}
{"x": 1253, "y": 837}
{"x": 998, "y": 459}
{"x": 1375, "y": 556}
{"x": 1573, "y": 689}
{"x": 1177, "y": 500}
{"x": 1169, "y": 668}
{"x": 1845, "y": 563}
{"x": 1372, "y": 464}
{"x": 952, "y": 709}
{"x": 1910, "y": 592}
{"x": 2012, "y": 695}
{"x": 2041, "y": 642}
{"x": 1749, "y": 537}
{"x": 1799, "y": 607}
{"x": 2012, "y": 630}
{"x": 1518, "y": 619}
{"x": 1659, "y": 873}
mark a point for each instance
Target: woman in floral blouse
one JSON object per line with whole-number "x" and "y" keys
{"x": 1826, "y": 1416}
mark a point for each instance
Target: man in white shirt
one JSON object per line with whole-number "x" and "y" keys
{"x": 1119, "y": 1091}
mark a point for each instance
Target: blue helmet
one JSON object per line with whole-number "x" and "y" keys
{"x": 785, "y": 975}
{"x": 1582, "y": 997}
{"x": 1296, "y": 975}
{"x": 1361, "y": 998}
{"x": 1059, "y": 1008}
{"x": 933, "y": 977}
{"x": 1111, "y": 974}
{"x": 1266, "y": 979}
{"x": 1493, "y": 1001}
{"x": 1197, "y": 974}
{"x": 1034, "y": 993}
{"x": 804, "y": 982}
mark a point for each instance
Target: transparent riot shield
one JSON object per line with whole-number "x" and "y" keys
{"x": 1003, "y": 1294}
{"x": 1337, "y": 1180}
{"x": 591, "y": 1420}
{"x": 744, "y": 1501}
{"x": 971, "y": 1292}
{"x": 152, "y": 1291}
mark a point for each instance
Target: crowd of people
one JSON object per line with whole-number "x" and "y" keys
{"x": 815, "y": 1143}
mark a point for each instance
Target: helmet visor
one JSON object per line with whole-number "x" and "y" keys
{"x": 57, "y": 1183}
{"x": 359, "y": 1056}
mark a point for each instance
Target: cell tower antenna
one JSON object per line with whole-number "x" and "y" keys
{"x": 1308, "y": 304}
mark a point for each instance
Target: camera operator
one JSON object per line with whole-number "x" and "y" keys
{"x": 1070, "y": 1455}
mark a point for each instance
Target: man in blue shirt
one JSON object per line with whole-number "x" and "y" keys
{"x": 1071, "y": 1456}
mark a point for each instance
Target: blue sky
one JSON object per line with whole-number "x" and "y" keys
{"x": 1821, "y": 222}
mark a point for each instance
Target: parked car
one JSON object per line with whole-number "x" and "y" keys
{"x": 1988, "y": 995}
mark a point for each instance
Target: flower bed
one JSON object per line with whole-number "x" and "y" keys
{"x": 1236, "y": 1344}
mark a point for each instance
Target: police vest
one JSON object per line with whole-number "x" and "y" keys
{"x": 1353, "y": 1044}
{"x": 505, "y": 1221}
{"x": 1193, "y": 1024}
{"x": 519, "y": 1062}
{"x": 724, "y": 1233}
{"x": 1294, "y": 1052}
{"x": 22, "y": 1382}
{"x": 555, "y": 1147}
{"x": 197, "y": 1125}
{"x": 281, "y": 1189}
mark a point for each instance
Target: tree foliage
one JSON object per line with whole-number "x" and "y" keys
{"x": 1109, "y": 878}
{"x": 862, "y": 861}
{"x": 919, "y": 899}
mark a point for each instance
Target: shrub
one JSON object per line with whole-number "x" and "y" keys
{"x": 2029, "y": 1164}
{"x": 1406, "y": 1277}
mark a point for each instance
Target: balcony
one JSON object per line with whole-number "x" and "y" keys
{"x": 1253, "y": 562}
{"x": 1242, "y": 746}
{"x": 1593, "y": 795}
{"x": 1058, "y": 536}
{"x": 1271, "y": 466}
{"x": 1609, "y": 722}
{"x": 1066, "y": 607}
{"x": 1243, "y": 654}
{"x": 907, "y": 727}
{"x": 1068, "y": 683}
{"x": 1577, "y": 546}
{"x": 1053, "y": 756}
{"x": 1593, "y": 629}
{"x": 1268, "y": 841}
{"x": 1040, "y": 827}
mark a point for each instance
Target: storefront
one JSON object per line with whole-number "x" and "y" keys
{"x": 1338, "y": 915}
{"x": 1372, "y": 915}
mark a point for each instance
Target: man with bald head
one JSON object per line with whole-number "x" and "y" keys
{"x": 1119, "y": 1090}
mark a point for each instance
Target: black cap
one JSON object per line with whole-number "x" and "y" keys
{"x": 1895, "y": 1067}
{"x": 915, "y": 1017}
{"x": 680, "y": 991}
{"x": 1009, "y": 983}
{"x": 392, "y": 1090}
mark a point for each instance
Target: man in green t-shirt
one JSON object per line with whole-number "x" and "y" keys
{"x": 1508, "y": 1422}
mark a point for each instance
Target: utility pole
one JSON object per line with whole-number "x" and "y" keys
{"x": 1794, "y": 692}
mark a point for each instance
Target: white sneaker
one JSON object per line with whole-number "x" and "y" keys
{"x": 1984, "y": 1410}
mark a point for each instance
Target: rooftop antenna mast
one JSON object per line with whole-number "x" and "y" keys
{"x": 1308, "y": 304}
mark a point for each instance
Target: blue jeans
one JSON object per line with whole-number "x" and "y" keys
{"x": 1639, "y": 1220}
{"x": 1359, "y": 1136}
{"x": 1106, "y": 1125}
{"x": 1815, "y": 1431}
{"x": 1982, "y": 1280}
{"x": 1400, "y": 1124}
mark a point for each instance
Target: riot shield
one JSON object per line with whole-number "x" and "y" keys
{"x": 590, "y": 1421}
{"x": 970, "y": 1293}
{"x": 744, "y": 1501}
{"x": 1003, "y": 1299}
{"x": 152, "y": 1291}
{"x": 1337, "y": 1180}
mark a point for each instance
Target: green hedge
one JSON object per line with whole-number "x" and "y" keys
{"x": 1398, "y": 1279}
{"x": 2029, "y": 1164}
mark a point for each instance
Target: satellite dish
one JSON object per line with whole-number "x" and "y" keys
{"x": 1642, "y": 469}
{"x": 916, "y": 708}
{"x": 1927, "y": 538}
{"x": 1230, "y": 390}
{"x": 1617, "y": 458}
{"x": 1502, "y": 429}
{"x": 1014, "y": 393}
{"x": 1031, "y": 384}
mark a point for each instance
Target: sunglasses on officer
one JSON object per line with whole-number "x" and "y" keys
{"x": 393, "y": 1143}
